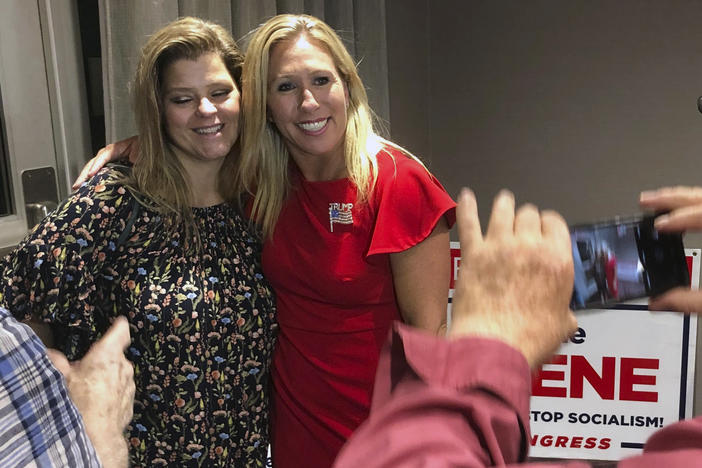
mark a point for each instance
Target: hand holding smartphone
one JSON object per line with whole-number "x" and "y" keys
{"x": 623, "y": 259}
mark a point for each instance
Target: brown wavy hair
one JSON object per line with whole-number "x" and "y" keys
{"x": 158, "y": 177}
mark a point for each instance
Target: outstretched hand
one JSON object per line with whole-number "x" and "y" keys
{"x": 515, "y": 283}
{"x": 101, "y": 386}
{"x": 684, "y": 213}
{"x": 123, "y": 149}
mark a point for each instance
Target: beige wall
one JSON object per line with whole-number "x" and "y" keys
{"x": 575, "y": 105}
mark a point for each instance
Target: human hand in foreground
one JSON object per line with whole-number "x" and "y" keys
{"x": 101, "y": 386}
{"x": 123, "y": 149}
{"x": 515, "y": 283}
{"x": 685, "y": 214}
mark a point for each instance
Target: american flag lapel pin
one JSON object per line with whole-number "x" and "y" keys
{"x": 340, "y": 213}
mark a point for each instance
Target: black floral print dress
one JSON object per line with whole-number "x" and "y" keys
{"x": 202, "y": 324}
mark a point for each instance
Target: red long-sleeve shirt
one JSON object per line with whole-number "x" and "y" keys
{"x": 465, "y": 402}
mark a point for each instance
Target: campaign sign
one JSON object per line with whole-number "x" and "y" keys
{"x": 626, "y": 373}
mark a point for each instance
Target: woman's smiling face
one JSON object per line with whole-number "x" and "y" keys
{"x": 307, "y": 100}
{"x": 201, "y": 108}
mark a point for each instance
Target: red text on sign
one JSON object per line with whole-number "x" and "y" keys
{"x": 563, "y": 441}
{"x": 604, "y": 382}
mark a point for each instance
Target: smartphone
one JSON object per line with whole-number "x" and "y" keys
{"x": 623, "y": 259}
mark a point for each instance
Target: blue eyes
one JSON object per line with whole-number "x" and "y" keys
{"x": 321, "y": 81}
{"x": 289, "y": 86}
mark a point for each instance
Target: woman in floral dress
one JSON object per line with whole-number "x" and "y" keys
{"x": 163, "y": 243}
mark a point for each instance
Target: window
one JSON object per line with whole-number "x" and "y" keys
{"x": 5, "y": 179}
{"x": 89, "y": 19}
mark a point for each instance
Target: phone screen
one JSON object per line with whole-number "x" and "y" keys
{"x": 624, "y": 259}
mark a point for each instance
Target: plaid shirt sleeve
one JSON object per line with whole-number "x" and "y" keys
{"x": 39, "y": 425}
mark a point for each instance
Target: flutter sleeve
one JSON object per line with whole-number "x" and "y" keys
{"x": 409, "y": 202}
{"x": 51, "y": 276}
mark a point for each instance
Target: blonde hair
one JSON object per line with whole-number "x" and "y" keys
{"x": 157, "y": 174}
{"x": 263, "y": 170}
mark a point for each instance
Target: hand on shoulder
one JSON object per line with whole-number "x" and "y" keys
{"x": 123, "y": 149}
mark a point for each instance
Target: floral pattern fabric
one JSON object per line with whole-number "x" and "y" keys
{"x": 202, "y": 322}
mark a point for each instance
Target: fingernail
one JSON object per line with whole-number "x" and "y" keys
{"x": 465, "y": 194}
{"x": 645, "y": 194}
{"x": 661, "y": 221}
{"x": 506, "y": 193}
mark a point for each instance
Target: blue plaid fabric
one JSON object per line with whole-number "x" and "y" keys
{"x": 39, "y": 426}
